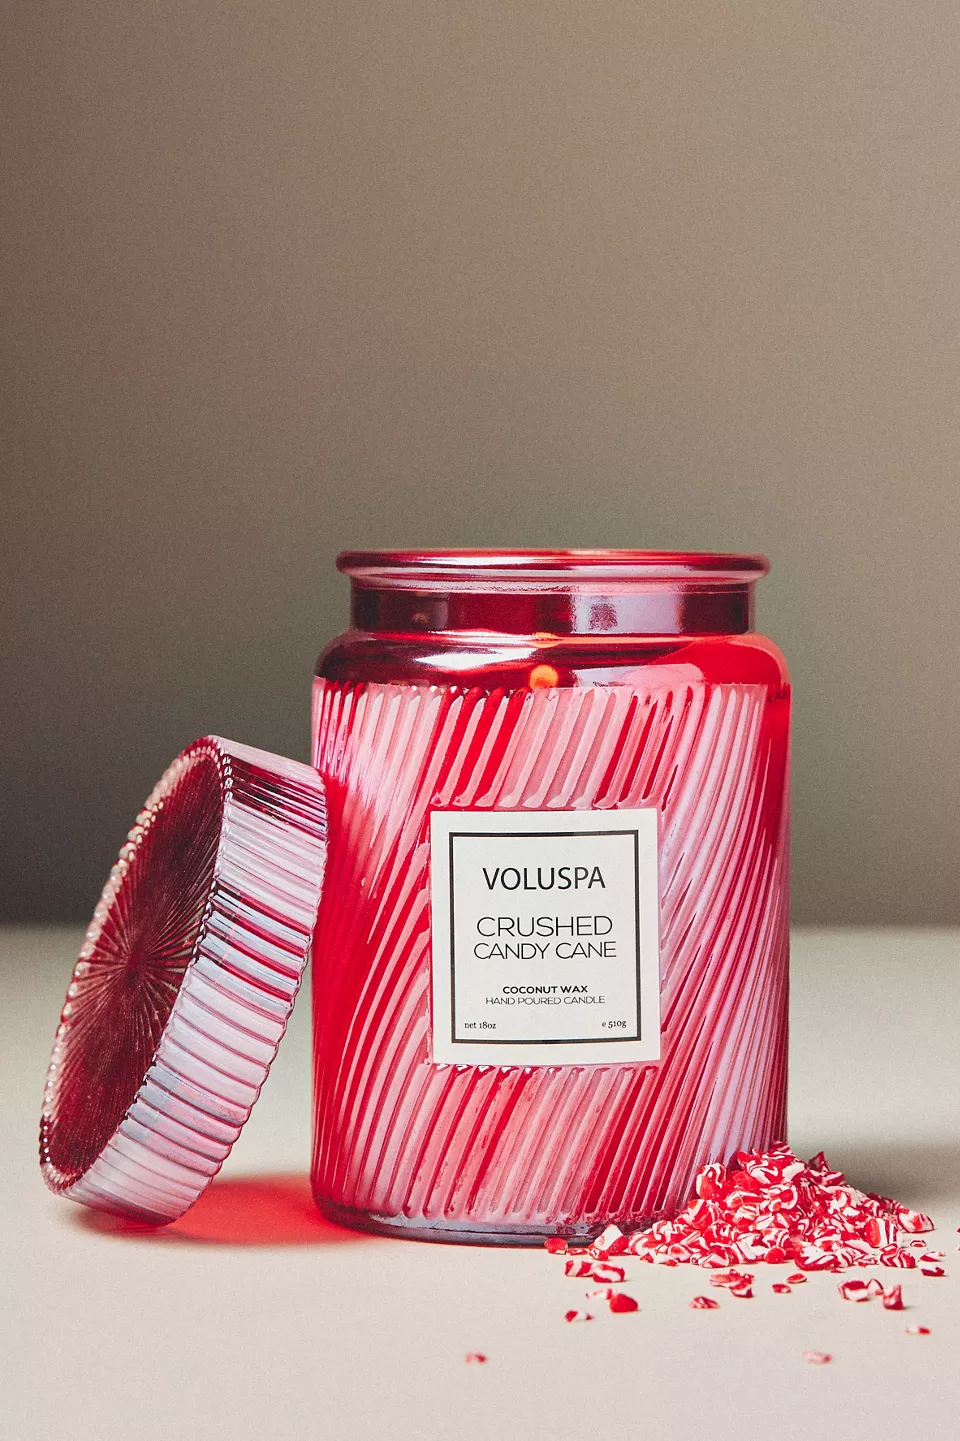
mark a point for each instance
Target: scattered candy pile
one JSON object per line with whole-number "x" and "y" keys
{"x": 767, "y": 1206}
{"x": 771, "y": 1207}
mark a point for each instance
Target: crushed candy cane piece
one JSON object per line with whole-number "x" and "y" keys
{"x": 620, "y": 1301}
{"x": 605, "y": 1272}
{"x": 932, "y": 1271}
{"x": 710, "y": 1182}
{"x": 600, "y": 1293}
{"x": 855, "y": 1291}
{"x": 610, "y": 1242}
{"x": 770, "y": 1168}
{"x": 918, "y": 1330}
{"x": 932, "y": 1256}
{"x": 816, "y": 1358}
{"x": 893, "y": 1299}
{"x": 781, "y": 1288}
{"x": 731, "y": 1278}
{"x": 577, "y": 1316}
{"x": 704, "y": 1303}
{"x": 880, "y": 1231}
{"x": 796, "y": 1278}
{"x": 474, "y": 1358}
{"x": 743, "y": 1293}
{"x": 897, "y": 1256}
{"x": 556, "y": 1245}
{"x": 914, "y": 1220}
{"x": 816, "y": 1258}
{"x": 579, "y": 1268}
{"x": 875, "y": 1287}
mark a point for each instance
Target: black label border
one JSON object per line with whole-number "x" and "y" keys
{"x": 552, "y": 1041}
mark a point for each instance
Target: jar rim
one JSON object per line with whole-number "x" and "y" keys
{"x": 402, "y": 565}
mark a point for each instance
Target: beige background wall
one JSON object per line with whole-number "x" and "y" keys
{"x": 285, "y": 278}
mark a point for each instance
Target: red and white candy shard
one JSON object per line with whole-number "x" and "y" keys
{"x": 816, "y": 1358}
{"x": 893, "y": 1299}
{"x": 932, "y": 1256}
{"x": 474, "y": 1358}
{"x": 880, "y": 1231}
{"x": 600, "y": 1293}
{"x": 918, "y": 1330}
{"x": 897, "y": 1256}
{"x": 744, "y": 1293}
{"x": 704, "y": 1303}
{"x": 620, "y": 1302}
{"x": 611, "y": 1275}
{"x": 818, "y": 1258}
{"x": 781, "y": 1288}
{"x": 932, "y": 1271}
{"x": 556, "y": 1245}
{"x": 577, "y": 1316}
{"x": 855, "y": 1291}
{"x": 610, "y": 1242}
{"x": 578, "y": 1268}
{"x": 770, "y": 1168}
{"x": 913, "y": 1220}
{"x": 731, "y": 1278}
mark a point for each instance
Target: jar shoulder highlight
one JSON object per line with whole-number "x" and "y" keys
{"x": 492, "y": 661}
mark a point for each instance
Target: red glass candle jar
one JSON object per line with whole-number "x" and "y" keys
{"x": 550, "y": 974}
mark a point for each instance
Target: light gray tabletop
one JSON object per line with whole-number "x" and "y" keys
{"x": 252, "y": 1318}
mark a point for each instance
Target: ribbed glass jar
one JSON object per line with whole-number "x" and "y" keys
{"x": 547, "y": 685}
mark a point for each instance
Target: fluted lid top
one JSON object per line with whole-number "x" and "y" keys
{"x": 185, "y": 981}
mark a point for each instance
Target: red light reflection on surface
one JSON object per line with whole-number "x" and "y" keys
{"x": 273, "y": 1210}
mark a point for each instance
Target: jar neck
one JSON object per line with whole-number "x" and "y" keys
{"x": 663, "y": 611}
{"x": 602, "y": 593}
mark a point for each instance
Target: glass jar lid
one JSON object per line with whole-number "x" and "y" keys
{"x": 185, "y": 981}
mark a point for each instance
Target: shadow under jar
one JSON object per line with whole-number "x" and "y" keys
{"x": 551, "y": 964}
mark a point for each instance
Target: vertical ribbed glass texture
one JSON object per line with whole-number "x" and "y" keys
{"x": 185, "y": 980}
{"x": 510, "y": 1154}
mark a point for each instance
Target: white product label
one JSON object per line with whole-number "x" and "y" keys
{"x": 545, "y": 937}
